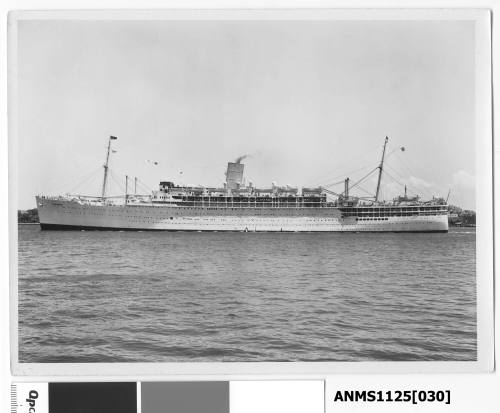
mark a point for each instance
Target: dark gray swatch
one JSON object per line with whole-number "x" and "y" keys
{"x": 93, "y": 397}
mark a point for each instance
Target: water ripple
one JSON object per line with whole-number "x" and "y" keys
{"x": 152, "y": 297}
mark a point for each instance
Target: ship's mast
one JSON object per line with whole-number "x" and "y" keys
{"x": 126, "y": 189}
{"x": 380, "y": 168}
{"x": 103, "y": 194}
{"x": 346, "y": 188}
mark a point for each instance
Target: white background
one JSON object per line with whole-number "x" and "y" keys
{"x": 470, "y": 392}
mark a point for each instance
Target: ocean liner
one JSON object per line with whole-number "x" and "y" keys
{"x": 236, "y": 206}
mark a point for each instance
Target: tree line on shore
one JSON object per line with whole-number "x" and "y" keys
{"x": 28, "y": 216}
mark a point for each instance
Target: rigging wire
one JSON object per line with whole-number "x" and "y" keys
{"x": 347, "y": 174}
{"x": 414, "y": 191}
{"x": 84, "y": 168}
{"x": 119, "y": 181}
{"x": 347, "y": 161}
{"x": 116, "y": 181}
{"x": 399, "y": 176}
{"x": 393, "y": 178}
{"x": 397, "y": 149}
{"x": 332, "y": 184}
{"x": 71, "y": 182}
{"x": 398, "y": 182}
{"x": 405, "y": 163}
{"x": 142, "y": 184}
{"x": 364, "y": 177}
{"x": 371, "y": 164}
{"x": 359, "y": 187}
{"x": 365, "y": 191}
{"x": 88, "y": 182}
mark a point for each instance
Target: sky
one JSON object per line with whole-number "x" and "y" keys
{"x": 310, "y": 101}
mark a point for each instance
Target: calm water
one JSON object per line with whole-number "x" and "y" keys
{"x": 182, "y": 296}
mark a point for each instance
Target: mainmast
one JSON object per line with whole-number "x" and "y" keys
{"x": 380, "y": 168}
{"x": 346, "y": 188}
{"x": 111, "y": 138}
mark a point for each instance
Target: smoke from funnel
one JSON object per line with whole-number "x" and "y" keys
{"x": 240, "y": 158}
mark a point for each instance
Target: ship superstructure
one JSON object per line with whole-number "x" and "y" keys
{"x": 236, "y": 206}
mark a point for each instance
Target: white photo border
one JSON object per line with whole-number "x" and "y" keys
{"x": 273, "y": 370}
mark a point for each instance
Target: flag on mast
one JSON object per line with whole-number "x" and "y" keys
{"x": 113, "y": 138}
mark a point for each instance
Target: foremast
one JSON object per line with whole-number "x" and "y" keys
{"x": 106, "y": 166}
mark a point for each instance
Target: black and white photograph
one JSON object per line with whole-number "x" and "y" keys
{"x": 215, "y": 187}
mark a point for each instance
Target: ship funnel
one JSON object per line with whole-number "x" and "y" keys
{"x": 234, "y": 175}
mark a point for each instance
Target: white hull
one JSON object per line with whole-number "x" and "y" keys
{"x": 71, "y": 214}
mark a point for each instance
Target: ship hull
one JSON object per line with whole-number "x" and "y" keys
{"x": 62, "y": 214}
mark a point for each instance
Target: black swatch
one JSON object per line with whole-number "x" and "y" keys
{"x": 93, "y": 397}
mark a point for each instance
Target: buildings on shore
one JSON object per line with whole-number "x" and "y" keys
{"x": 458, "y": 217}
